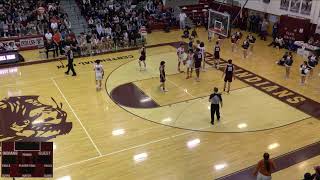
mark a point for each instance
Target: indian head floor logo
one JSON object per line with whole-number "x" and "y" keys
{"x": 25, "y": 118}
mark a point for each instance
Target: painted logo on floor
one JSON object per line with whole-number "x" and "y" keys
{"x": 25, "y": 118}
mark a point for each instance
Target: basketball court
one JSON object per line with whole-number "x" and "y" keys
{"x": 132, "y": 130}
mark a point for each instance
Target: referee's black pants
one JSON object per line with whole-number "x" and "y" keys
{"x": 215, "y": 109}
{"x": 70, "y": 67}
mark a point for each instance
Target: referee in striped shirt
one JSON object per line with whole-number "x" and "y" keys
{"x": 215, "y": 100}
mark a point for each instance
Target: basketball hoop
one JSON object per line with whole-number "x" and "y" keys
{"x": 218, "y": 23}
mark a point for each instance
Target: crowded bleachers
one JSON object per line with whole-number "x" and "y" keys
{"x": 112, "y": 25}
{"x": 30, "y": 17}
{"x": 120, "y": 24}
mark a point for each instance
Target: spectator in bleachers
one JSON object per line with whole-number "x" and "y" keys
{"x": 56, "y": 38}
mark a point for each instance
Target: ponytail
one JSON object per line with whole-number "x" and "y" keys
{"x": 266, "y": 161}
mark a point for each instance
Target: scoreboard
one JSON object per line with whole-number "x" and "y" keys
{"x": 27, "y": 159}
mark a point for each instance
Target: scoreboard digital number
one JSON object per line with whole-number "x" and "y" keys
{"x": 27, "y": 159}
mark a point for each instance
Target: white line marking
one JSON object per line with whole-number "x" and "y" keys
{"x": 123, "y": 150}
{"x": 22, "y": 82}
{"x": 85, "y": 130}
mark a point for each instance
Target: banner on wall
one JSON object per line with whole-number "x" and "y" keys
{"x": 6, "y": 43}
{"x": 25, "y": 43}
{"x": 295, "y": 6}
{"x": 294, "y": 28}
{"x": 306, "y": 7}
{"x": 31, "y": 42}
{"x": 284, "y": 4}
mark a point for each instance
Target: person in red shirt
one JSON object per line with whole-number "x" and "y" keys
{"x": 56, "y": 40}
{"x": 264, "y": 168}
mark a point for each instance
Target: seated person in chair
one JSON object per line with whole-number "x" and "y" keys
{"x": 50, "y": 46}
{"x": 186, "y": 33}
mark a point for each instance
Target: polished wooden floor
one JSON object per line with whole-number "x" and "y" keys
{"x": 113, "y": 142}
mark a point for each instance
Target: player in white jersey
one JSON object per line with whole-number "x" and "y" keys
{"x": 203, "y": 53}
{"x": 180, "y": 53}
{"x": 190, "y": 64}
{"x": 99, "y": 73}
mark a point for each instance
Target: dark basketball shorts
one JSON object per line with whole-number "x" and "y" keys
{"x": 228, "y": 78}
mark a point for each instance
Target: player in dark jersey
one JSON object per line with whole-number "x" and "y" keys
{"x": 197, "y": 63}
{"x": 228, "y": 74}
{"x": 216, "y": 55}
{"x": 142, "y": 57}
{"x": 245, "y": 47}
{"x": 162, "y": 76}
{"x": 288, "y": 63}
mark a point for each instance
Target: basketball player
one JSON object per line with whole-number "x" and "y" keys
{"x": 69, "y": 55}
{"x": 288, "y": 64}
{"x": 142, "y": 57}
{"x": 245, "y": 47}
{"x": 228, "y": 74}
{"x": 216, "y": 55}
{"x": 190, "y": 64}
{"x": 233, "y": 42}
{"x": 203, "y": 53}
{"x": 304, "y": 70}
{"x": 99, "y": 74}
{"x": 162, "y": 76}
{"x": 197, "y": 63}
{"x": 180, "y": 53}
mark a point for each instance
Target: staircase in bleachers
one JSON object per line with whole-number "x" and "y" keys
{"x": 78, "y": 22}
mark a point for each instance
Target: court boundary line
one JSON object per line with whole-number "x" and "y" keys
{"x": 76, "y": 116}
